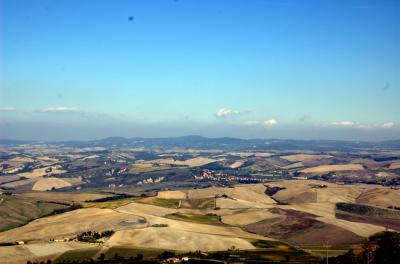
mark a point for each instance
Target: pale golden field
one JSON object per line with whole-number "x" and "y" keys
{"x": 191, "y": 229}
{"x": 305, "y": 157}
{"x": 338, "y": 167}
{"x": 41, "y": 172}
{"x": 394, "y": 165}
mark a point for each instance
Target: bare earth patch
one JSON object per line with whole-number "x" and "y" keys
{"x": 305, "y": 157}
{"x": 50, "y": 183}
{"x": 338, "y": 167}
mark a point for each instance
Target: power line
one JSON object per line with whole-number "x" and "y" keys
{"x": 327, "y": 246}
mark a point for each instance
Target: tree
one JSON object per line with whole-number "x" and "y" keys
{"x": 383, "y": 248}
{"x": 366, "y": 254}
{"x": 348, "y": 258}
{"x": 388, "y": 248}
{"x": 139, "y": 256}
{"x": 102, "y": 257}
{"x": 166, "y": 254}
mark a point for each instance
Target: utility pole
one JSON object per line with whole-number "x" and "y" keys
{"x": 327, "y": 246}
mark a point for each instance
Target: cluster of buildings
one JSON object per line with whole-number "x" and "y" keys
{"x": 209, "y": 175}
{"x": 114, "y": 171}
{"x": 151, "y": 180}
{"x": 7, "y": 169}
{"x": 175, "y": 260}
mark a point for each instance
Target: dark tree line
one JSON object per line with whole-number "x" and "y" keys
{"x": 93, "y": 236}
{"x": 383, "y": 248}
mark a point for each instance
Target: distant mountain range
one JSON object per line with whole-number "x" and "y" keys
{"x": 224, "y": 143}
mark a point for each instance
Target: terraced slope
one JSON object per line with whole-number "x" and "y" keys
{"x": 16, "y": 211}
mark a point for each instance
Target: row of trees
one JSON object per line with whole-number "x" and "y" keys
{"x": 93, "y": 236}
{"x": 383, "y": 248}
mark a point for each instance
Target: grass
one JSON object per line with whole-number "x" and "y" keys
{"x": 168, "y": 203}
{"x": 274, "y": 252}
{"x": 367, "y": 210}
{"x": 264, "y": 175}
{"x": 78, "y": 255}
{"x": 270, "y": 254}
{"x": 195, "y": 218}
{"x": 320, "y": 251}
{"x": 17, "y": 211}
{"x": 145, "y": 169}
{"x": 331, "y": 252}
{"x": 127, "y": 252}
{"x": 109, "y": 204}
{"x": 202, "y": 203}
{"x": 268, "y": 244}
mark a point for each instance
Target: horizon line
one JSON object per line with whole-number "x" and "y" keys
{"x": 187, "y": 136}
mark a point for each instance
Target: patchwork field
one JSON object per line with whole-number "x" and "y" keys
{"x": 69, "y": 224}
{"x": 40, "y": 172}
{"x": 288, "y": 214}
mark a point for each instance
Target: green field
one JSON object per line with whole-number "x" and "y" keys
{"x": 332, "y": 252}
{"x": 78, "y": 255}
{"x": 368, "y": 210}
{"x": 109, "y": 204}
{"x": 264, "y": 175}
{"x": 128, "y": 252}
{"x": 169, "y": 203}
{"x": 269, "y": 244}
{"x": 16, "y": 210}
{"x": 274, "y": 252}
{"x": 140, "y": 169}
{"x": 195, "y": 218}
{"x": 270, "y": 254}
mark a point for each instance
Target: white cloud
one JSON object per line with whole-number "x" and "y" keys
{"x": 251, "y": 123}
{"x": 60, "y": 109}
{"x": 353, "y": 124}
{"x": 7, "y": 109}
{"x": 270, "y": 122}
{"x": 225, "y": 112}
{"x": 343, "y": 123}
{"x": 388, "y": 125}
{"x": 267, "y": 123}
{"x": 363, "y": 126}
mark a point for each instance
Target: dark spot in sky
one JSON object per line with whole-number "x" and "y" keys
{"x": 304, "y": 118}
{"x": 386, "y": 87}
{"x": 131, "y": 18}
{"x": 60, "y": 95}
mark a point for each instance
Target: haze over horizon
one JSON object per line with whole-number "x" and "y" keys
{"x": 247, "y": 69}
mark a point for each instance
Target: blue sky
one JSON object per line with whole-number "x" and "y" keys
{"x": 269, "y": 69}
